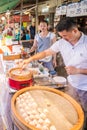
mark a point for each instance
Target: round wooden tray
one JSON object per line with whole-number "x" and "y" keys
{"x": 72, "y": 111}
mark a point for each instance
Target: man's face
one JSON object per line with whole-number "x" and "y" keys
{"x": 69, "y": 36}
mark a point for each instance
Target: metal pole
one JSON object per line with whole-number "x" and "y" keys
{"x": 21, "y": 17}
{"x": 36, "y": 16}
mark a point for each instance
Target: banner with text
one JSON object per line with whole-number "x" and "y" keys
{"x": 73, "y": 9}
{"x": 77, "y": 9}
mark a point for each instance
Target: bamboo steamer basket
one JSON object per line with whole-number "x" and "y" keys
{"x": 73, "y": 115}
{"x": 19, "y": 80}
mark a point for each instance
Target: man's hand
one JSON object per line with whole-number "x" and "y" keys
{"x": 54, "y": 63}
{"x": 23, "y": 64}
{"x": 71, "y": 70}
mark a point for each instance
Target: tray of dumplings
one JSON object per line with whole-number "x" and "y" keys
{"x": 44, "y": 108}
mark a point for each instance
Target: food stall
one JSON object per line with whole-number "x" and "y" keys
{"x": 49, "y": 104}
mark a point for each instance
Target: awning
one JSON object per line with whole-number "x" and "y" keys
{"x": 7, "y": 5}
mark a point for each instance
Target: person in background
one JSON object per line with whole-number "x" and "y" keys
{"x": 50, "y": 28}
{"x": 32, "y": 30}
{"x": 27, "y": 35}
{"x": 43, "y": 41}
{"x": 73, "y": 48}
{"x": 56, "y": 33}
{"x": 8, "y": 32}
{"x": 1, "y": 37}
{"x": 17, "y": 34}
{"x": 23, "y": 35}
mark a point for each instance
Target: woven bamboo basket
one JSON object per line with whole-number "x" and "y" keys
{"x": 63, "y": 111}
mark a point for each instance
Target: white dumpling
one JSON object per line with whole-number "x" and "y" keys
{"x": 27, "y": 93}
{"x": 27, "y": 119}
{"x": 19, "y": 105}
{"x": 34, "y": 112}
{"x": 24, "y": 104}
{"x": 17, "y": 99}
{"x": 45, "y": 128}
{"x": 22, "y": 110}
{"x": 24, "y": 115}
{"x": 53, "y": 127}
{"x": 27, "y": 101}
{"x": 39, "y": 110}
{"x": 38, "y": 126}
{"x": 47, "y": 121}
{"x": 18, "y": 102}
{"x": 43, "y": 116}
{"x": 31, "y": 117}
{"x": 26, "y": 108}
{"x": 21, "y": 96}
{"x": 37, "y": 116}
{"x": 35, "y": 122}
{"x": 22, "y": 100}
{"x": 41, "y": 121}
{"x": 34, "y": 105}
{"x": 45, "y": 111}
{"x": 31, "y": 123}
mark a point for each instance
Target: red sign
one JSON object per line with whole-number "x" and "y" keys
{"x": 24, "y": 18}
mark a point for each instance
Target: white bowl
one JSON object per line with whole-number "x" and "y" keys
{"x": 59, "y": 80}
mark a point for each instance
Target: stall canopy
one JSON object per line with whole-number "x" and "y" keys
{"x": 7, "y": 5}
{"x": 15, "y": 4}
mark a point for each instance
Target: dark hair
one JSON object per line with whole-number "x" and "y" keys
{"x": 66, "y": 23}
{"x": 43, "y": 21}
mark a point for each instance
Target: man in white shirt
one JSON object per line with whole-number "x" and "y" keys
{"x": 73, "y": 48}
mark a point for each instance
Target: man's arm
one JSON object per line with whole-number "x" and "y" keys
{"x": 37, "y": 56}
{"x": 73, "y": 70}
{"x": 82, "y": 71}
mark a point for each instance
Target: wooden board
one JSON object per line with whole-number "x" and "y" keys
{"x": 11, "y": 57}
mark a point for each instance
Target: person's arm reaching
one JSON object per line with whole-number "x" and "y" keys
{"x": 38, "y": 56}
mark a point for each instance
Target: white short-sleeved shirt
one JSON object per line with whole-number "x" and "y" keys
{"x": 74, "y": 56}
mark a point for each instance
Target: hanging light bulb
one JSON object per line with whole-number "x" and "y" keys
{"x": 7, "y": 13}
{"x": 48, "y": 5}
{"x": 3, "y": 18}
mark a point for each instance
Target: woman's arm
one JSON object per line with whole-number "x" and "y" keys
{"x": 34, "y": 47}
